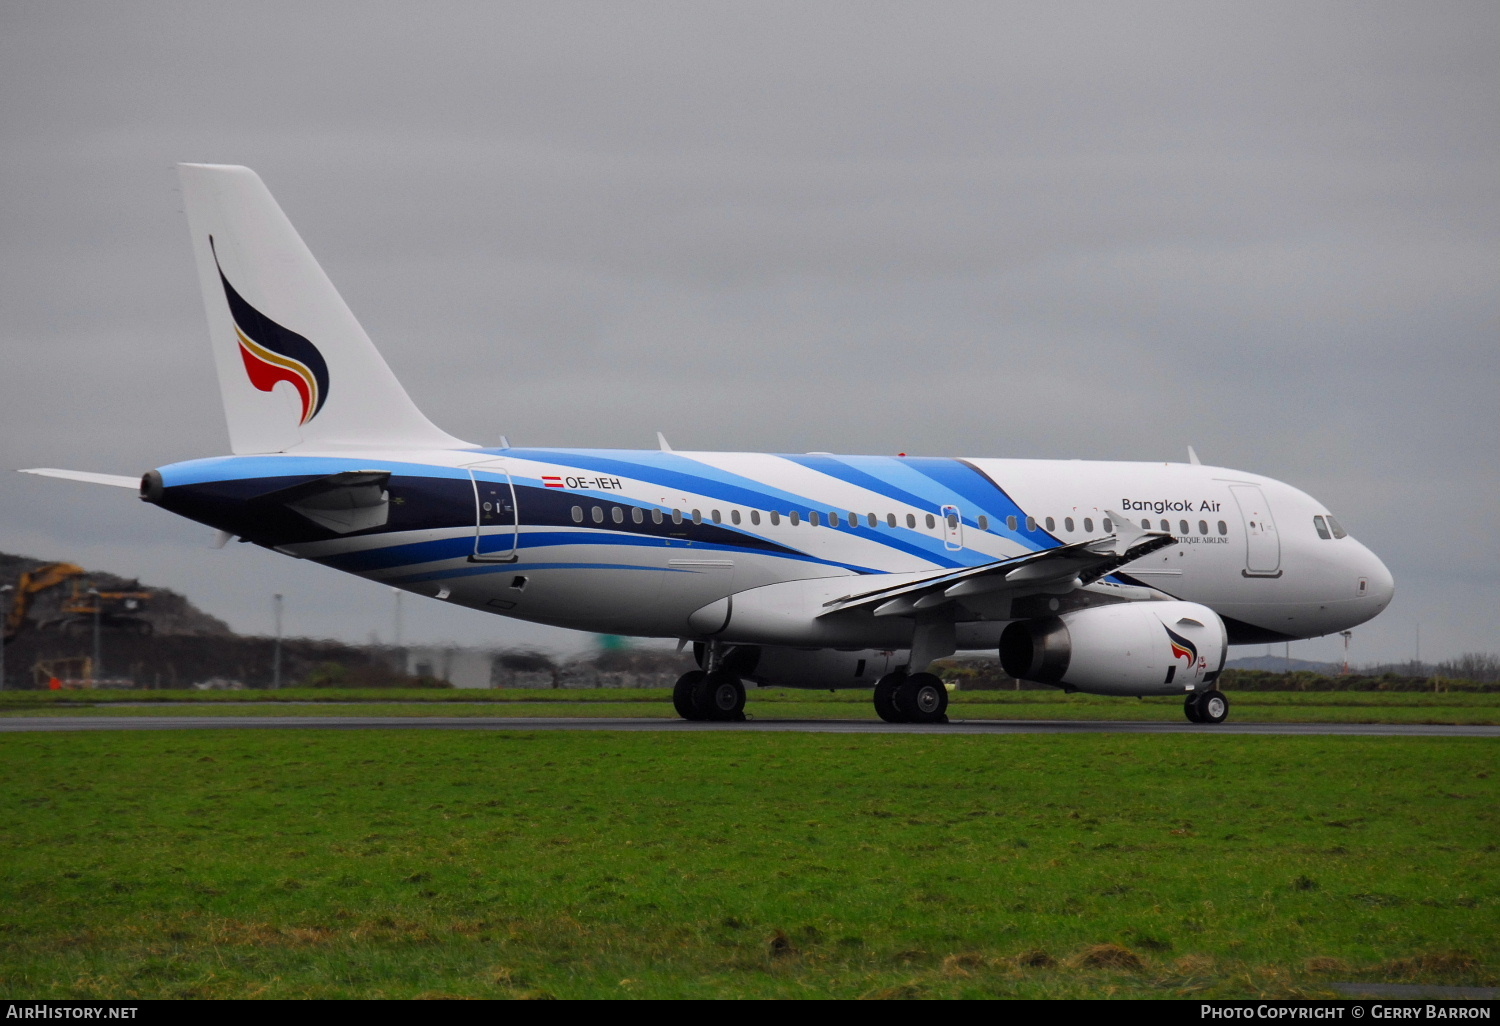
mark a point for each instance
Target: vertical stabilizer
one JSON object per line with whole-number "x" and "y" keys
{"x": 295, "y": 368}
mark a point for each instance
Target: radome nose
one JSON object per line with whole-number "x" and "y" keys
{"x": 1382, "y": 586}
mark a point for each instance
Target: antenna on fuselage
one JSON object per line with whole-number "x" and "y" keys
{"x": 1193, "y": 457}
{"x": 661, "y": 440}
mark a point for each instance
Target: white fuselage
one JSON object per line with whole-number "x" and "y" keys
{"x": 637, "y": 542}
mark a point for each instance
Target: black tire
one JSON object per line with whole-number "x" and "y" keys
{"x": 923, "y": 698}
{"x": 1190, "y": 708}
{"x": 719, "y": 696}
{"x": 1213, "y": 707}
{"x": 885, "y": 697}
{"x": 682, "y": 694}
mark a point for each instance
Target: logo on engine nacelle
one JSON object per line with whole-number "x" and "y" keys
{"x": 1182, "y": 648}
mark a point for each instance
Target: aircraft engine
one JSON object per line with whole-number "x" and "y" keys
{"x": 1132, "y": 648}
{"x": 782, "y": 667}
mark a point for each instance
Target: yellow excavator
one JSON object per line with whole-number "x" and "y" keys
{"x": 31, "y": 584}
{"x": 117, "y": 610}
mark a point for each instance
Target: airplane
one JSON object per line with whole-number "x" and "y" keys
{"x": 806, "y": 570}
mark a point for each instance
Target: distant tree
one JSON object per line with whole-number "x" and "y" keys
{"x": 1480, "y": 666}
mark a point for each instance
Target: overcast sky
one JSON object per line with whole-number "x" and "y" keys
{"x": 1108, "y": 230}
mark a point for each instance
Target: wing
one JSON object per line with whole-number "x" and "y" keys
{"x": 1051, "y": 570}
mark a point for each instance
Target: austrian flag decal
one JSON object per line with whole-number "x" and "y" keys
{"x": 552, "y": 482}
{"x": 273, "y": 354}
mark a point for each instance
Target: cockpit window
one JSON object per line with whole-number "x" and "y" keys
{"x": 1322, "y": 528}
{"x": 1337, "y": 528}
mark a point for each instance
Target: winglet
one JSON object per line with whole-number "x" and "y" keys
{"x": 661, "y": 440}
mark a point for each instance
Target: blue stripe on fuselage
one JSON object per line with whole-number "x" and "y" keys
{"x": 461, "y": 546}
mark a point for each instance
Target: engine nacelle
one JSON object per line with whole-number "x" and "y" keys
{"x": 1133, "y": 648}
{"x": 778, "y": 666}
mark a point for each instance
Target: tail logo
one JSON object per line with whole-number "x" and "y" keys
{"x": 274, "y": 354}
{"x": 1182, "y": 648}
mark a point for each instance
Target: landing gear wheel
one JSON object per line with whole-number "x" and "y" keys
{"x": 885, "y": 697}
{"x": 1190, "y": 709}
{"x": 682, "y": 695}
{"x": 1213, "y": 707}
{"x": 923, "y": 698}
{"x": 719, "y": 696}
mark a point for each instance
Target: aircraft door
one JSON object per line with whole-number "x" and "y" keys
{"x": 953, "y": 528}
{"x": 1262, "y": 543}
{"x": 496, "y": 517}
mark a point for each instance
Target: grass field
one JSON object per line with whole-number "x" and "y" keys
{"x": 522, "y": 864}
{"x": 773, "y": 703}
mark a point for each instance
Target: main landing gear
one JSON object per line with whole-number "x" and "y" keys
{"x": 1206, "y": 707}
{"x": 700, "y": 695}
{"x": 911, "y": 698}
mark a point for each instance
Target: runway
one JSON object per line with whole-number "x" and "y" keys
{"x": 517, "y": 723}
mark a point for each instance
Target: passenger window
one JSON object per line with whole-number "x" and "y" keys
{"x": 1012, "y": 523}
{"x": 1223, "y": 527}
{"x": 1337, "y": 528}
{"x": 577, "y": 514}
{"x": 1031, "y": 523}
{"x": 984, "y": 522}
{"x": 814, "y": 519}
{"x": 656, "y": 516}
{"x": 1165, "y": 526}
{"x": 677, "y": 516}
{"x": 617, "y": 515}
{"x": 734, "y": 516}
{"x": 1182, "y": 527}
{"x": 872, "y": 521}
{"x": 931, "y": 521}
{"x": 775, "y": 518}
{"x": 1145, "y": 525}
{"x": 637, "y": 516}
{"x": 755, "y": 517}
{"x": 697, "y": 516}
{"x": 853, "y": 519}
{"x": 1068, "y": 524}
{"x": 833, "y": 518}
{"x": 717, "y": 519}
{"x": 1203, "y": 527}
{"x": 794, "y": 517}
{"x": 952, "y": 521}
{"x": 598, "y": 515}
{"x": 1051, "y": 525}
{"x": 1107, "y": 525}
{"x": 1088, "y": 524}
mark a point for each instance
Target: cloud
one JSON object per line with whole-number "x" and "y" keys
{"x": 1094, "y": 230}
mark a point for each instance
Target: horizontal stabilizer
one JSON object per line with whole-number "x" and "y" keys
{"x": 88, "y": 477}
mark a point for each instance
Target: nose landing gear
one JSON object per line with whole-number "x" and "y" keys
{"x": 1206, "y": 707}
{"x": 699, "y": 696}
